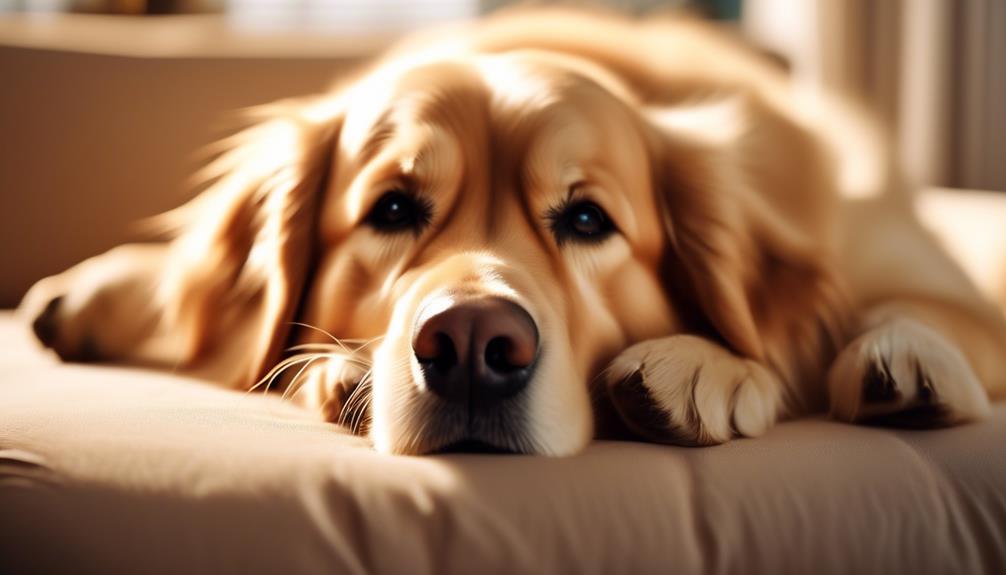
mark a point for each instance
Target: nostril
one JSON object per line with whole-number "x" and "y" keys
{"x": 499, "y": 355}
{"x": 437, "y": 351}
{"x": 480, "y": 351}
{"x": 445, "y": 356}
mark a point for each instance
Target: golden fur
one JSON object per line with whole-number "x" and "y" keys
{"x": 762, "y": 239}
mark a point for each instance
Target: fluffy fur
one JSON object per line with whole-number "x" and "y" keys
{"x": 764, "y": 247}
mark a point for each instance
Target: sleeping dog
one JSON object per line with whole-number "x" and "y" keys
{"x": 489, "y": 237}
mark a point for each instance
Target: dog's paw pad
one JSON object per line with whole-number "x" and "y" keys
{"x": 904, "y": 374}
{"x": 925, "y": 391}
{"x": 45, "y": 325}
{"x": 879, "y": 385}
{"x": 638, "y": 409}
{"x": 919, "y": 406}
{"x": 50, "y": 327}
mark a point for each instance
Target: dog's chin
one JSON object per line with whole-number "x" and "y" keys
{"x": 489, "y": 436}
{"x": 456, "y": 429}
{"x": 465, "y": 442}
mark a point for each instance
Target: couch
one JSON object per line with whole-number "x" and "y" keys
{"x": 112, "y": 469}
{"x": 108, "y": 469}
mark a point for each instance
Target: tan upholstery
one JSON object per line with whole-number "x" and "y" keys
{"x": 118, "y": 470}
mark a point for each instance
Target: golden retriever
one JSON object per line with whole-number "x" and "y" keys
{"x": 493, "y": 238}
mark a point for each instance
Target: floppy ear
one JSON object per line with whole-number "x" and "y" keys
{"x": 746, "y": 200}
{"x": 245, "y": 245}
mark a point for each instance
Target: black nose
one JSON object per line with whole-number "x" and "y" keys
{"x": 480, "y": 351}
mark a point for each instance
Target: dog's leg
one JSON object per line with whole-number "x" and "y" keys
{"x": 927, "y": 341}
{"x": 907, "y": 368}
{"x": 688, "y": 390}
{"x": 104, "y": 308}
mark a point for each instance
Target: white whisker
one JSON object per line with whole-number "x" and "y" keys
{"x": 277, "y": 370}
{"x": 364, "y": 412}
{"x": 321, "y": 346}
{"x": 318, "y": 329}
{"x": 348, "y": 405}
{"x": 361, "y": 408}
{"x": 296, "y": 378}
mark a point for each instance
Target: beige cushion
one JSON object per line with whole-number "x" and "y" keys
{"x": 109, "y": 469}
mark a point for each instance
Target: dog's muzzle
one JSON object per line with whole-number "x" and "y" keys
{"x": 476, "y": 352}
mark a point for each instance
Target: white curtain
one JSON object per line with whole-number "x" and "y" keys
{"x": 934, "y": 71}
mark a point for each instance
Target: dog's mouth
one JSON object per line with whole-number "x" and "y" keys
{"x": 452, "y": 428}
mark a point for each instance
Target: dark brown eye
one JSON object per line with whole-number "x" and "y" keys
{"x": 582, "y": 221}
{"x": 588, "y": 220}
{"x": 398, "y": 211}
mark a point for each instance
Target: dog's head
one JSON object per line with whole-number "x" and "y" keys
{"x": 494, "y": 219}
{"x": 499, "y": 227}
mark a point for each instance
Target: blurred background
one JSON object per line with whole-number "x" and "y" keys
{"x": 104, "y": 104}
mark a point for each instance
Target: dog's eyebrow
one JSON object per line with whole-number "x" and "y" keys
{"x": 382, "y": 131}
{"x": 572, "y": 190}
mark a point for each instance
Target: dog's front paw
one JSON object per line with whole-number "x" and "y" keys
{"x": 906, "y": 374}
{"x": 57, "y": 316}
{"x": 688, "y": 390}
{"x": 102, "y": 308}
{"x": 335, "y": 386}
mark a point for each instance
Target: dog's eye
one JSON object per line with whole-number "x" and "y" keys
{"x": 398, "y": 211}
{"x": 581, "y": 221}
